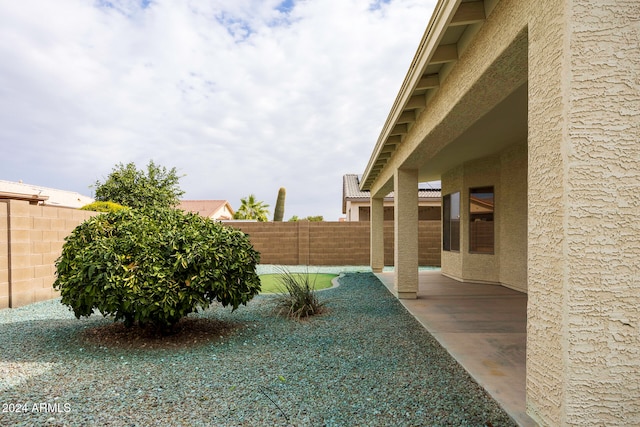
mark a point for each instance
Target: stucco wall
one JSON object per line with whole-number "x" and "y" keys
{"x": 481, "y": 173}
{"x": 603, "y": 228}
{"x": 583, "y": 192}
{"x": 545, "y": 359}
{"x": 224, "y": 213}
{"x": 452, "y": 181}
{"x": 511, "y": 217}
{"x": 584, "y": 210}
{"x": 507, "y": 173}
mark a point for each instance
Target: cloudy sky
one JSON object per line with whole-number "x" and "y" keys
{"x": 241, "y": 96}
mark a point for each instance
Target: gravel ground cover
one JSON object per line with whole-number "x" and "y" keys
{"x": 364, "y": 362}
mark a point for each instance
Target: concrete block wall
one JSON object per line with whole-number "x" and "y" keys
{"x": 332, "y": 243}
{"x": 4, "y": 254}
{"x": 429, "y": 243}
{"x": 277, "y": 242}
{"x": 339, "y": 243}
{"x": 31, "y": 239}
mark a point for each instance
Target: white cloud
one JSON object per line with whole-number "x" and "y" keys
{"x": 242, "y": 96}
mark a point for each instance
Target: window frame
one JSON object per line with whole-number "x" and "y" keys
{"x": 451, "y": 205}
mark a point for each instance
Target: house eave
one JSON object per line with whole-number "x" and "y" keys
{"x": 419, "y": 83}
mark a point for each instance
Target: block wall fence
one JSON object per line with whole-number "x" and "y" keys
{"x": 31, "y": 239}
{"x": 332, "y": 243}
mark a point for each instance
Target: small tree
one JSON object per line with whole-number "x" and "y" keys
{"x": 250, "y": 208}
{"x": 128, "y": 186}
{"x": 154, "y": 266}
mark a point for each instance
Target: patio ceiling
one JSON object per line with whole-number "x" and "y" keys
{"x": 449, "y": 32}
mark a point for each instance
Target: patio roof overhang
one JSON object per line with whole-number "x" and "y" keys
{"x": 438, "y": 49}
{"x": 450, "y": 32}
{"x": 33, "y": 199}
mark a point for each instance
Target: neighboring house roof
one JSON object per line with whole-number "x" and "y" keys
{"x": 208, "y": 208}
{"x": 44, "y": 195}
{"x": 351, "y": 191}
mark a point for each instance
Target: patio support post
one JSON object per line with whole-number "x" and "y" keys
{"x": 377, "y": 234}
{"x": 406, "y": 233}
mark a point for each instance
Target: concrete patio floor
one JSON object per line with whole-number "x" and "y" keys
{"x": 483, "y": 327}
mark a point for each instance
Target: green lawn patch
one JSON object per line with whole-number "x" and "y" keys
{"x": 271, "y": 282}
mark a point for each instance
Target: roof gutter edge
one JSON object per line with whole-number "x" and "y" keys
{"x": 442, "y": 14}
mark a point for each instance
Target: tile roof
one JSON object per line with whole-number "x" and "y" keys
{"x": 351, "y": 188}
{"x": 206, "y": 208}
{"x": 351, "y": 191}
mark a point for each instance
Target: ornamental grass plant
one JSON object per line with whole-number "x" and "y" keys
{"x": 297, "y": 297}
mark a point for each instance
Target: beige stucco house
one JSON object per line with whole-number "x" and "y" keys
{"x": 219, "y": 210}
{"x": 356, "y": 202}
{"x": 529, "y": 114}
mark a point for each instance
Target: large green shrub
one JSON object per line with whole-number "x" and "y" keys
{"x": 153, "y": 267}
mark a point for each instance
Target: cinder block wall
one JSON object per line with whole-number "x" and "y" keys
{"x": 31, "y": 239}
{"x": 331, "y": 243}
{"x": 4, "y": 254}
{"x": 277, "y": 242}
{"x": 338, "y": 243}
{"x": 429, "y": 238}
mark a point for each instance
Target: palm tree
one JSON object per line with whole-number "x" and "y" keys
{"x": 250, "y": 208}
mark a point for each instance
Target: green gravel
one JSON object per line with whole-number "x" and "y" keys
{"x": 365, "y": 362}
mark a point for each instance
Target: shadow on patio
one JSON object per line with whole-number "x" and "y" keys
{"x": 483, "y": 327}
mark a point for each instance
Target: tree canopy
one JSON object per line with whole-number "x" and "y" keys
{"x": 251, "y": 208}
{"x": 128, "y": 186}
{"x": 316, "y": 218}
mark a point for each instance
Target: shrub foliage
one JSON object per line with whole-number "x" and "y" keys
{"x": 103, "y": 207}
{"x": 136, "y": 188}
{"x": 153, "y": 267}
